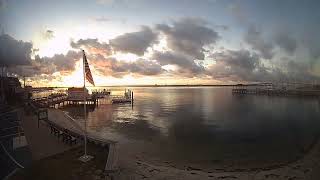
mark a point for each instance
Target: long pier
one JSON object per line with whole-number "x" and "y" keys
{"x": 276, "y": 92}
{"x": 61, "y": 99}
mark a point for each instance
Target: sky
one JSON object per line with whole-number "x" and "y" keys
{"x": 146, "y": 42}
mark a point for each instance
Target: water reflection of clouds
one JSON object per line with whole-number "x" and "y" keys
{"x": 209, "y": 122}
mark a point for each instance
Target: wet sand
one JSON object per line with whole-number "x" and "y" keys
{"x": 140, "y": 168}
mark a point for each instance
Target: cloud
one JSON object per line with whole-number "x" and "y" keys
{"x": 189, "y": 36}
{"x": 186, "y": 63}
{"x": 141, "y": 67}
{"x": 102, "y": 19}
{"x": 311, "y": 41}
{"x": 93, "y": 46}
{"x": 255, "y": 39}
{"x": 14, "y": 52}
{"x": 111, "y": 66}
{"x": 3, "y": 4}
{"x": 61, "y": 62}
{"x": 243, "y": 65}
{"x": 239, "y": 65}
{"x": 286, "y": 42}
{"x": 105, "y": 2}
{"x": 135, "y": 42}
{"x": 64, "y": 64}
{"x": 48, "y": 34}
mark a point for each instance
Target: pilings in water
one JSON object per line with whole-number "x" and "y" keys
{"x": 61, "y": 99}
{"x": 277, "y": 92}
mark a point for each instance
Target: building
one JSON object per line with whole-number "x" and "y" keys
{"x": 11, "y": 91}
{"x": 77, "y": 94}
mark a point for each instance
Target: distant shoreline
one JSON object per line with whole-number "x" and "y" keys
{"x": 183, "y": 85}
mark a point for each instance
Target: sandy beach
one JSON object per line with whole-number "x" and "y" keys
{"x": 305, "y": 168}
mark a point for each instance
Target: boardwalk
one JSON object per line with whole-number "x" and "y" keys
{"x": 41, "y": 143}
{"x": 61, "y": 119}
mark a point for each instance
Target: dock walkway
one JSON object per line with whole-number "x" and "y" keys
{"x": 42, "y": 144}
{"x": 61, "y": 99}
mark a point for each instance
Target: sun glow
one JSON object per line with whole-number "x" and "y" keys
{"x": 128, "y": 57}
{"x": 76, "y": 77}
{"x": 58, "y": 44}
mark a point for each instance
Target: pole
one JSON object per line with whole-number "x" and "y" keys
{"x": 85, "y": 157}
{"x": 84, "y": 105}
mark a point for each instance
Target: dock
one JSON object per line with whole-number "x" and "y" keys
{"x": 44, "y": 131}
{"x": 56, "y": 100}
{"x": 61, "y": 99}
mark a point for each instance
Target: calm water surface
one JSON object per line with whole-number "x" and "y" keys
{"x": 209, "y": 124}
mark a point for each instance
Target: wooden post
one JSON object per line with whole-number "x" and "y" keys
{"x": 38, "y": 119}
{"x": 42, "y": 115}
{"x": 112, "y": 161}
{"x": 132, "y": 97}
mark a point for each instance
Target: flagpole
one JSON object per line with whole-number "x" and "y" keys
{"x": 85, "y": 157}
{"x": 84, "y": 105}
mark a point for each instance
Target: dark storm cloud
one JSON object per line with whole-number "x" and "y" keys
{"x": 135, "y": 42}
{"x": 183, "y": 61}
{"x": 14, "y": 52}
{"x": 236, "y": 65}
{"x": 299, "y": 72}
{"x": 286, "y": 42}
{"x": 255, "y": 39}
{"x": 47, "y": 65}
{"x": 35, "y": 69}
{"x": 189, "y": 36}
{"x": 311, "y": 41}
{"x": 243, "y": 65}
{"x": 3, "y": 3}
{"x": 92, "y": 45}
{"x": 242, "y": 59}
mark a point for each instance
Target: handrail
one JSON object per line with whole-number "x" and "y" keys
{"x": 88, "y": 136}
{"x": 8, "y": 154}
{"x": 75, "y": 123}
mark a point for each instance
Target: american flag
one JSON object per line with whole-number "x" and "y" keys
{"x": 87, "y": 69}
